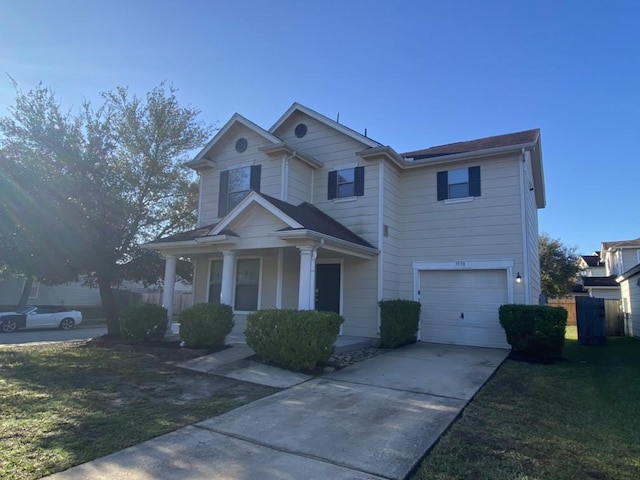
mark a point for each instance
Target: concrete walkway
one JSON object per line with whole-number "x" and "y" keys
{"x": 372, "y": 420}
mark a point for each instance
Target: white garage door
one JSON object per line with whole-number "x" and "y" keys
{"x": 461, "y": 307}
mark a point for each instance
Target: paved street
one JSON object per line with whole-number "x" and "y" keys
{"x": 51, "y": 335}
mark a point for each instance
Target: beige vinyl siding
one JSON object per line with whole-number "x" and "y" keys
{"x": 629, "y": 259}
{"x": 226, "y": 158}
{"x": 532, "y": 235}
{"x": 486, "y": 228}
{"x": 392, "y": 242}
{"x": 608, "y": 293}
{"x": 631, "y": 304}
{"x": 337, "y": 150}
{"x": 201, "y": 277}
{"x": 254, "y": 228}
{"x": 300, "y": 182}
{"x": 290, "y": 275}
{"x": 360, "y": 291}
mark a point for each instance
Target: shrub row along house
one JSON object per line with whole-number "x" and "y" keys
{"x": 310, "y": 214}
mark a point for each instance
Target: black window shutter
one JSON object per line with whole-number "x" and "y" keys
{"x": 332, "y": 191}
{"x": 254, "y": 182}
{"x": 443, "y": 186}
{"x": 223, "y": 196}
{"x": 474, "y": 181}
{"x": 358, "y": 181}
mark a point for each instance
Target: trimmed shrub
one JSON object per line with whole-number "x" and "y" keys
{"x": 399, "y": 320}
{"x": 143, "y": 322}
{"x": 206, "y": 325}
{"x": 536, "y": 332}
{"x": 294, "y": 339}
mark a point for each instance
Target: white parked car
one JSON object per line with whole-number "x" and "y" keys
{"x": 39, "y": 317}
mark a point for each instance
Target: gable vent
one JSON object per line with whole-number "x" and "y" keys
{"x": 241, "y": 145}
{"x": 301, "y": 130}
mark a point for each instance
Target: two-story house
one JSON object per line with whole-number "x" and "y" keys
{"x": 614, "y": 259}
{"x": 591, "y": 265}
{"x": 310, "y": 214}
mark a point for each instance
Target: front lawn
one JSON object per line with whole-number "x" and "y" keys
{"x": 578, "y": 419}
{"x": 66, "y": 403}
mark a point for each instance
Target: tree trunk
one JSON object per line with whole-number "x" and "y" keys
{"x": 26, "y": 291}
{"x": 109, "y": 306}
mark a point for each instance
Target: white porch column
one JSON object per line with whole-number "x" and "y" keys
{"x": 305, "y": 294}
{"x": 169, "y": 284}
{"x": 228, "y": 270}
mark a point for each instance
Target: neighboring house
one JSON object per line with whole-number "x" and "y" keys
{"x": 614, "y": 259}
{"x": 601, "y": 287}
{"x": 310, "y": 214}
{"x": 591, "y": 265}
{"x": 620, "y": 256}
{"x": 630, "y": 290}
{"x": 72, "y": 293}
{"x": 75, "y": 294}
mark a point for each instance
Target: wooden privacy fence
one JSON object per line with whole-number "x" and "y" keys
{"x": 614, "y": 319}
{"x": 181, "y": 300}
{"x": 569, "y": 304}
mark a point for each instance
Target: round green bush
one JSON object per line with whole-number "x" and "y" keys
{"x": 140, "y": 323}
{"x": 205, "y": 325}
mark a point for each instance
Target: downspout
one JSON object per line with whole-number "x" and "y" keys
{"x": 312, "y": 283}
{"x": 525, "y": 233}
{"x": 199, "y": 219}
{"x": 380, "y": 238}
{"x": 284, "y": 190}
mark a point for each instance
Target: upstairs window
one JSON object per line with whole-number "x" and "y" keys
{"x": 235, "y": 185}
{"x": 460, "y": 183}
{"x": 345, "y": 183}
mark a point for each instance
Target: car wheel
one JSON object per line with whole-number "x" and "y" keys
{"x": 67, "y": 323}
{"x": 8, "y": 326}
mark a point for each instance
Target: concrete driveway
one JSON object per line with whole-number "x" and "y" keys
{"x": 373, "y": 420}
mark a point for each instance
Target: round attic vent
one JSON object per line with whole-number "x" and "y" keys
{"x": 301, "y": 130}
{"x": 241, "y": 145}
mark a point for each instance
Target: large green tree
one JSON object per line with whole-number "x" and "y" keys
{"x": 558, "y": 266}
{"x": 84, "y": 189}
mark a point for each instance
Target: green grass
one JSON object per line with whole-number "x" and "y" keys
{"x": 577, "y": 419}
{"x": 65, "y": 404}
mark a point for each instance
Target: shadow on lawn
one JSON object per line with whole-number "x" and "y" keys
{"x": 65, "y": 404}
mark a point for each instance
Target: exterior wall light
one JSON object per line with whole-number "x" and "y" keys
{"x": 518, "y": 278}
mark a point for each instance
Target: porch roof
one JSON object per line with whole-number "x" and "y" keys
{"x": 312, "y": 218}
{"x": 310, "y": 222}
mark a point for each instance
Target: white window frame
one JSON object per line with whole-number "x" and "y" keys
{"x": 352, "y": 183}
{"x": 229, "y": 192}
{"x": 450, "y": 184}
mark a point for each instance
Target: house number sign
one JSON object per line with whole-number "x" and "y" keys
{"x": 460, "y": 263}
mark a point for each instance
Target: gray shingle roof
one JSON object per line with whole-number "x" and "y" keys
{"x": 312, "y": 218}
{"x": 509, "y": 139}
{"x": 621, "y": 243}
{"x": 592, "y": 260}
{"x": 600, "y": 281}
{"x": 307, "y": 215}
{"x": 188, "y": 235}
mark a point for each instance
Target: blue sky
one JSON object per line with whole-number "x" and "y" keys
{"x": 413, "y": 73}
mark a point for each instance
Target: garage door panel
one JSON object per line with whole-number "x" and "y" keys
{"x": 461, "y": 307}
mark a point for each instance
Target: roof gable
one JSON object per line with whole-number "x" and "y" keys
{"x": 297, "y": 107}
{"x": 259, "y": 199}
{"x": 237, "y": 120}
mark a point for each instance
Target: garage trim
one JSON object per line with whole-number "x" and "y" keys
{"x": 506, "y": 265}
